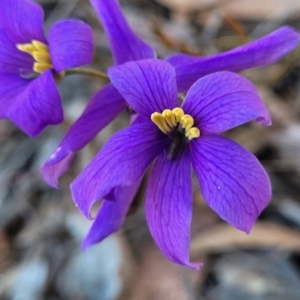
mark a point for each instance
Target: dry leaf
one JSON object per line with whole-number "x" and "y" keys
{"x": 240, "y": 9}
{"x": 161, "y": 279}
{"x": 224, "y": 237}
{"x": 188, "y": 5}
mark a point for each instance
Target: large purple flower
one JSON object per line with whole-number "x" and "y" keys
{"x": 176, "y": 137}
{"x": 30, "y": 63}
{"x": 127, "y": 46}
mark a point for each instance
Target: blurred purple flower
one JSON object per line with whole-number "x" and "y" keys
{"x": 232, "y": 181}
{"x": 126, "y": 46}
{"x": 30, "y": 63}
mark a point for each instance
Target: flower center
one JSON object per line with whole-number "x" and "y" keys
{"x": 40, "y": 52}
{"x": 178, "y": 126}
{"x": 170, "y": 120}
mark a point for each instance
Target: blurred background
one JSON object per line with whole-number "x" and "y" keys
{"x": 41, "y": 230}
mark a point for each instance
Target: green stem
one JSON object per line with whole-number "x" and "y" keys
{"x": 87, "y": 72}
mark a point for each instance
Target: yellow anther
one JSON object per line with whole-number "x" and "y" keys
{"x": 192, "y": 133}
{"x": 187, "y": 122}
{"x": 40, "y": 46}
{"x": 178, "y": 112}
{"x": 160, "y": 121}
{"x": 42, "y": 57}
{"x": 40, "y": 52}
{"x": 28, "y": 48}
{"x": 169, "y": 117}
{"x": 41, "y": 67}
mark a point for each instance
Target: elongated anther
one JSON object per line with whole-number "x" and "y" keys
{"x": 28, "y": 48}
{"x": 187, "y": 122}
{"x": 40, "y": 52}
{"x": 160, "y": 121}
{"x": 40, "y": 46}
{"x": 178, "y": 112}
{"x": 41, "y": 67}
{"x": 193, "y": 133}
{"x": 42, "y": 57}
{"x": 170, "y": 117}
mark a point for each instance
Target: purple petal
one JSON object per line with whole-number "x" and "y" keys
{"x": 22, "y": 20}
{"x": 111, "y": 215}
{"x": 37, "y": 106}
{"x": 179, "y": 60}
{"x": 232, "y": 180}
{"x": 169, "y": 207}
{"x": 261, "y": 52}
{"x": 121, "y": 162}
{"x": 224, "y": 100}
{"x": 148, "y": 86}
{"x": 51, "y": 172}
{"x": 11, "y": 85}
{"x": 104, "y": 106}
{"x": 13, "y": 60}
{"x": 71, "y": 44}
{"x": 125, "y": 44}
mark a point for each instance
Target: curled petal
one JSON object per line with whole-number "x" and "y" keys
{"x": 169, "y": 207}
{"x": 52, "y": 172}
{"x": 233, "y": 182}
{"x": 71, "y": 44}
{"x": 104, "y": 106}
{"x": 261, "y": 52}
{"x": 37, "y": 106}
{"x": 22, "y": 20}
{"x": 125, "y": 44}
{"x": 121, "y": 162}
{"x": 224, "y": 100}
{"x": 148, "y": 85}
{"x": 111, "y": 215}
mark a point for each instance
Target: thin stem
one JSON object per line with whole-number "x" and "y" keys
{"x": 87, "y": 72}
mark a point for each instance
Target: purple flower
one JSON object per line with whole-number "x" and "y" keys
{"x": 177, "y": 137}
{"x": 30, "y": 63}
{"x": 126, "y": 46}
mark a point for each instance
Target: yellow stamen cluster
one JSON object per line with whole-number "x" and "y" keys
{"x": 40, "y": 52}
{"x": 171, "y": 118}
